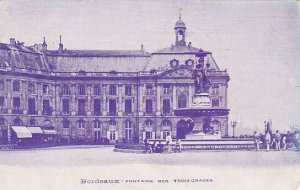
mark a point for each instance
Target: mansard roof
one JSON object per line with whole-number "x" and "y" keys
{"x": 99, "y": 53}
{"x": 180, "y": 50}
{"x": 21, "y": 57}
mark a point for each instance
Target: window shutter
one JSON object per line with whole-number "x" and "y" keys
{"x": 161, "y": 135}
{"x": 153, "y": 135}
{"x": 144, "y": 135}
{"x": 116, "y": 132}
{"x": 108, "y": 135}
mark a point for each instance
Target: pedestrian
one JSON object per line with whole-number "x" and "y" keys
{"x": 159, "y": 148}
{"x": 178, "y": 145}
{"x": 284, "y": 144}
{"x": 268, "y": 140}
{"x": 288, "y": 140}
{"x": 146, "y": 144}
{"x": 277, "y": 140}
{"x": 297, "y": 141}
{"x": 256, "y": 140}
{"x": 169, "y": 143}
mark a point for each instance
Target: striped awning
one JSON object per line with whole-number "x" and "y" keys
{"x": 49, "y": 132}
{"x": 22, "y": 131}
{"x": 35, "y": 130}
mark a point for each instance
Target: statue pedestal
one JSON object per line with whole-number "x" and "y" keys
{"x": 201, "y": 100}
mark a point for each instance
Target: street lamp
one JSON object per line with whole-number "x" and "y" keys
{"x": 233, "y": 125}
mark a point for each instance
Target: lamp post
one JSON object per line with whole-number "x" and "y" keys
{"x": 233, "y": 125}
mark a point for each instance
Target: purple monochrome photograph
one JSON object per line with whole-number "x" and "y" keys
{"x": 128, "y": 94}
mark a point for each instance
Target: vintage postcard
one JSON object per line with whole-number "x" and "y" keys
{"x": 149, "y": 95}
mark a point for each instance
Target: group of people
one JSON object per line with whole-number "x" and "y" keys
{"x": 276, "y": 141}
{"x": 160, "y": 148}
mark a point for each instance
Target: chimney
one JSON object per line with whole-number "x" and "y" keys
{"x": 44, "y": 45}
{"x": 142, "y": 48}
{"x": 12, "y": 41}
{"x": 61, "y": 46}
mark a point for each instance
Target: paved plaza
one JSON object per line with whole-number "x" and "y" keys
{"x": 54, "y": 168}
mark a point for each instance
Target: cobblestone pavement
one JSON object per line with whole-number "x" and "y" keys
{"x": 54, "y": 168}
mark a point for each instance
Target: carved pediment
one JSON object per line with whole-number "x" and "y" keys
{"x": 178, "y": 72}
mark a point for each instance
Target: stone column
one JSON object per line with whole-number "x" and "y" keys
{"x": 9, "y": 98}
{"x": 89, "y": 99}
{"x": 73, "y": 101}
{"x": 174, "y": 97}
{"x": 141, "y": 97}
{"x": 120, "y": 102}
{"x": 104, "y": 100}
{"x": 58, "y": 106}
{"x": 24, "y": 97}
{"x": 158, "y": 104}
{"x": 39, "y": 97}
{"x": 190, "y": 99}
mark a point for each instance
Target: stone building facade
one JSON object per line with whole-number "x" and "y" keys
{"x": 85, "y": 95}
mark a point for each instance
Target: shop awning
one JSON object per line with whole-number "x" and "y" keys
{"x": 49, "y": 132}
{"x": 35, "y": 130}
{"x": 22, "y": 131}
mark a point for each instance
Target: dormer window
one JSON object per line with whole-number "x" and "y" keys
{"x": 189, "y": 62}
{"x": 174, "y": 63}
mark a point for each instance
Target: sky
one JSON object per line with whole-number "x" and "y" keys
{"x": 256, "y": 41}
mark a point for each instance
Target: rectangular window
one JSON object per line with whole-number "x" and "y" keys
{"x": 166, "y": 89}
{"x": 81, "y": 90}
{"x": 215, "y": 103}
{"x": 96, "y": 90}
{"x": 149, "y": 89}
{"x": 65, "y": 90}
{"x": 165, "y": 134}
{"x": 166, "y": 106}
{"x": 148, "y": 134}
{"x": 16, "y": 103}
{"x": 128, "y": 106}
{"x": 112, "y": 135}
{"x": 149, "y": 108}
{"x": 215, "y": 89}
{"x": 46, "y": 107}
{"x": 128, "y": 91}
{"x": 1, "y": 102}
{"x": 45, "y": 89}
{"x": 81, "y": 107}
{"x": 97, "y": 107}
{"x": 31, "y": 106}
{"x": 31, "y": 88}
{"x": 16, "y": 86}
{"x": 66, "y": 106}
{"x": 112, "y": 90}
{"x": 2, "y": 86}
{"x": 112, "y": 106}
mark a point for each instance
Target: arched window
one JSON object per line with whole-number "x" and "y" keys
{"x": 182, "y": 101}
{"x": 112, "y": 122}
{"x": 66, "y": 123}
{"x": 128, "y": 130}
{"x": 148, "y": 123}
{"x": 166, "y": 123}
{"x": 81, "y": 124}
{"x": 32, "y": 122}
{"x": 47, "y": 123}
{"x": 18, "y": 122}
{"x": 97, "y": 124}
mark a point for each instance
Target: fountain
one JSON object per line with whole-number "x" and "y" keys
{"x": 201, "y": 110}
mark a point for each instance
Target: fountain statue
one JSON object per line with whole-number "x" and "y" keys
{"x": 201, "y": 110}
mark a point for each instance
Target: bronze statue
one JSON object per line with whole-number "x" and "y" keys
{"x": 202, "y": 83}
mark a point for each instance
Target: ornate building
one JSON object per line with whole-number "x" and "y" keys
{"x": 85, "y": 95}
